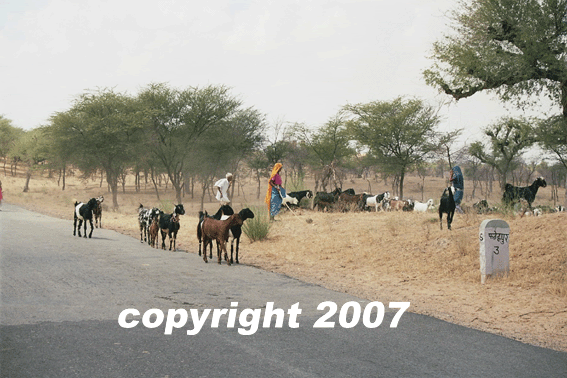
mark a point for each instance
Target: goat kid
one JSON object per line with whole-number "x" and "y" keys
{"x": 447, "y": 205}
{"x": 83, "y": 212}
{"x": 153, "y": 233}
{"x": 423, "y": 207}
{"x": 404, "y": 205}
{"x": 97, "y": 212}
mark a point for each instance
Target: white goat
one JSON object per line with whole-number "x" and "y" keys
{"x": 289, "y": 200}
{"x": 423, "y": 207}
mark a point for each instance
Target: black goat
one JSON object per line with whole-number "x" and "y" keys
{"x": 447, "y": 205}
{"x": 234, "y": 233}
{"x": 97, "y": 212}
{"x": 84, "y": 212}
{"x": 516, "y": 193}
{"x": 169, "y": 225}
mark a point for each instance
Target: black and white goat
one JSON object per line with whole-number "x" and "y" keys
{"x": 169, "y": 225}
{"x": 377, "y": 200}
{"x": 145, "y": 217}
{"x": 234, "y": 232}
{"x": 83, "y": 213}
{"x": 97, "y": 212}
{"x": 447, "y": 205}
{"x": 516, "y": 193}
{"x": 294, "y": 198}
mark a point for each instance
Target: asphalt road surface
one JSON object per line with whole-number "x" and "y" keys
{"x": 62, "y": 296}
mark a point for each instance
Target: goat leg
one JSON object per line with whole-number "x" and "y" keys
{"x": 163, "y": 235}
{"x": 75, "y": 226}
{"x": 237, "y": 248}
{"x": 79, "y": 227}
{"x": 91, "y": 233}
{"x": 205, "y": 243}
{"x": 219, "y": 252}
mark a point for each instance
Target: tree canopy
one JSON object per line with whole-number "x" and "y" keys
{"x": 516, "y": 48}
{"x": 399, "y": 133}
{"x": 508, "y": 138}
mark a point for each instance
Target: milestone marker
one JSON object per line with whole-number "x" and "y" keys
{"x": 494, "y": 238}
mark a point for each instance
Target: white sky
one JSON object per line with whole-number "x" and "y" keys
{"x": 295, "y": 61}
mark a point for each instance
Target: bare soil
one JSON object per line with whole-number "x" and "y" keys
{"x": 394, "y": 256}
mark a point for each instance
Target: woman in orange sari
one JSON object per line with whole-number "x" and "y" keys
{"x": 275, "y": 191}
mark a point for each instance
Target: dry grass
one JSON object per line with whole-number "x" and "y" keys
{"x": 393, "y": 256}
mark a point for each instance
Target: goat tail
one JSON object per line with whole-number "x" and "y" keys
{"x": 75, "y": 202}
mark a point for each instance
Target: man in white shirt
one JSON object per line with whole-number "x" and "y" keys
{"x": 221, "y": 189}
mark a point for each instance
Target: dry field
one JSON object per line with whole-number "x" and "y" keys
{"x": 377, "y": 256}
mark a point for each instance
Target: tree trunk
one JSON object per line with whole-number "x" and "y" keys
{"x": 64, "y": 176}
{"x": 27, "y": 185}
{"x": 402, "y": 175}
{"x": 155, "y": 184}
{"x": 112, "y": 180}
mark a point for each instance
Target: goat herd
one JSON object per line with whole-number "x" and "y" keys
{"x": 226, "y": 225}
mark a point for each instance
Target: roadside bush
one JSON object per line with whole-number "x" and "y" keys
{"x": 258, "y": 227}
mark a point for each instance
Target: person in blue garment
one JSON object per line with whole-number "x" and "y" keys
{"x": 458, "y": 183}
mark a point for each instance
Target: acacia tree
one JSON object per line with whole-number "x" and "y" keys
{"x": 399, "y": 134}
{"x": 328, "y": 147}
{"x": 508, "y": 138}
{"x": 30, "y": 148}
{"x": 552, "y": 135}
{"x": 100, "y": 131}
{"x": 516, "y": 48}
{"x": 174, "y": 119}
{"x": 8, "y": 136}
{"x": 223, "y": 147}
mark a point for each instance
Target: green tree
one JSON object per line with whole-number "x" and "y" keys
{"x": 515, "y": 48}
{"x": 31, "y": 149}
{"x": 8, "y": 136}
{"x": 552, "y": 135}
{"x": 224, "y": 146}
{"x": 329, "y": 148}
{"x": 509, "y": 137}
{"x": 399, "y": 134}
{"x": 174, "y": 119}
{"x": 101, "y": 131}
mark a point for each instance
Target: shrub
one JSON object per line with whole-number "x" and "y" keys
{"x": 258, "y": 227}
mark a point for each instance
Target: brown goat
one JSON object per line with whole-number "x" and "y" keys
{"x": 154, "y": 233}
{"x": 212, "y": 229}
{"x": 397, "y": 205}
{"x": 351, "y": 201}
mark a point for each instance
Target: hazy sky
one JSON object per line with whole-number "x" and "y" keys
{"x": 295, "y": 61}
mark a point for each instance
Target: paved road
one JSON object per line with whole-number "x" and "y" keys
{"x": 61, "y": 297}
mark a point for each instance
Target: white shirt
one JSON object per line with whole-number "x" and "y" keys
{"x": 223, "y": 185}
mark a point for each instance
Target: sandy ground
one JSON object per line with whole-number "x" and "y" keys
{"x": 387, "y": 257}
{"x": 516, "y": 306}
